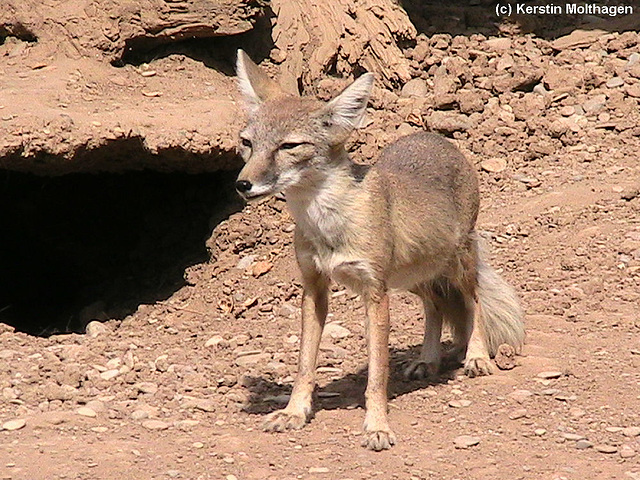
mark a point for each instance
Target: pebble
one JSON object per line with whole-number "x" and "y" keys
{"x": 155, "y": 425}
{"x": 540, "y": 431}
{"x": 606, "y": 448}
{"x": 519, "y": 413}
{"x": 615, "y": 82}
{"x": 252, "y": 359}
{"x": 16, "y": 424}
{"x": 416, "y": 87}
{"x": 583, "y": 444}
{"x": 99, "y": 429}
{"x": 215, "y": 341}
{"x": 631, "y": 431}
{"x": 520, "y": 395}
{"x": 110, "y": 374}
{"x": 549, "y": 375}
{"x": 147, "y": 387}
{"x": 627, "y": 452}
{"x": 95, "y": 329}
{"x": 466, "y": 441}
{"x": 459, "y": 403}
{"x": 231, "y": 477}
{"x": 573, "y": 436}
{"x": 318, "y": 470}
{"x": 245, "y": 262}
{"x": 86, "y": 412}
{"x": 494, "y": 165}
{"x": 139, "y": 414}
{"x": 335, "y": 331}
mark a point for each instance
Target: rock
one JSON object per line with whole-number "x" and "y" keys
{"x": 633, "y": 90}
{"x": 498, "y": 43}
{"x": 252, "y": 359}
{"x": 147, "y": 387}
{"x": 335, "y": 331}
{"x": 245, "y": 262}
{"x": 627, "y": 451}
{"x": 86, "y": 412}
{"x": 540, "y": 432}
{"x": 466, "y": 441}
{"x": 506, "y": 356}
{"x": 595, "y": 104}
{"x": 494, "y": 165}
{"x": 447, "y": 123}
{"x": 574, "y": 437}
{"x": 216, "y": 341}
{"x": 260, "y": 268}
{"x": 110, "y": 374}
{"x": 155, "y": 425}
{"x": 16, "y": 424}
{"x": 615, "y": 82}
{"x": 602, "y": 448}
{"x": 139, "y": 414}
{"x": 95, "y": 328}
{"x": 415, "y": 87}
{"x": 548, "y": 375}
{"x": 459, "y": 403}
{"x": 583, "y": 444}
{"x": 577, "y": 38}
{"x": 318, "y": 470}
{"x": 519, "y": 413}
{"x": 470, "y": 101}
{"x": 520, "y": 395}
{"x": 631, "y": 431}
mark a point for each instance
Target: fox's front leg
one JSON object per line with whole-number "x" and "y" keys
{"x": 314, "y": 312}
{"x": 377, "y": 433}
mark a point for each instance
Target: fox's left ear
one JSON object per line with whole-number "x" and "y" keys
{"x": 348, "y": 108}
{"x": 255, "y": 85}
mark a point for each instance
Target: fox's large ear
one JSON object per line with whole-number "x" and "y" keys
{"x": 348, "y": 108}
{"x": 255, "y": 85}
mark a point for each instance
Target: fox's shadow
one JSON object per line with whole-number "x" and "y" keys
{"x": 346, "y": 392}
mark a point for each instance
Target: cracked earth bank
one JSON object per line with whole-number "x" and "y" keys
{"x": 149, "y": 324}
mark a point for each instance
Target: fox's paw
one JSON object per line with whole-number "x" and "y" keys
{"x": 477, "y": 367}
{"x": 421, "y": 370}
{"x": 378, "y": 440}
{"x": 282, "y": 420}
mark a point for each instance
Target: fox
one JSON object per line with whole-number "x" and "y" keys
{"x": 407, "y": 222}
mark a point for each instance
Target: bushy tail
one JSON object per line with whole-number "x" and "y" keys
{"x": 502, "y": 314}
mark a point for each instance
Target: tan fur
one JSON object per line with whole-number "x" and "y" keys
{"x": 407, "y": 222}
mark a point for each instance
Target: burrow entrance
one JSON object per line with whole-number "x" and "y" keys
{"x": 78, "y": 243}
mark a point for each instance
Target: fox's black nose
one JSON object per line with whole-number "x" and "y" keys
{"x": 243, "y": 186}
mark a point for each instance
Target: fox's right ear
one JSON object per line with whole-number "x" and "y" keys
{"x": 255, "y": 85}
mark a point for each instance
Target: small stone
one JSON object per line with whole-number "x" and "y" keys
{"x": 459, "y": 403}
{"x": 583, "y": 444}
{"x": 573, "y": 436}
{"x": 567, "y": 111}
{"x": 231, "y": 477}
{"x": 260, "y": 268}
{"x": 520, "y": 395}
{"x": 99, "y": 429}
{"x": 139, "y": 414}
{"x": 416, "y": 87}
{"x": 155, "y": 425}
{"x": 466, "y": 441}
{"x": 86, "y": 412}
{"x": 631, "y": 431}
{"x": 216, "y": 341}
{"x": 606, "y": 449}
{"x": 197, "y": 445}
{"x": 627, "y": 451}
{"x": 549, "y": 375}
{"x": 540, "y": 431}
{"x": 245, "y": 262}
{"x": 110, "y": 374}
{"x": 95, "y": 328}
{"x": 335, "y": 331}
{"x": 615, "y": 82}
{"x": 494, "y": 165}
{"x": 16, "y": 424}
{"x": 318, "y": 470}
{"x": 253, "y": 359}
{"x": 173, "y": 473}
{"x": 519, "y": 413}
{"x": 147, "y": 387}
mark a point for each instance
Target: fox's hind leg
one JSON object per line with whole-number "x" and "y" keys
{"x": 427, "y": 366}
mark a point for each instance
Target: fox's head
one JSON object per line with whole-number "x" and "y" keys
{"x": 290, "y": 141}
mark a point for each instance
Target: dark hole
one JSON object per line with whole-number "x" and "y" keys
{"x": 79, "y": 245}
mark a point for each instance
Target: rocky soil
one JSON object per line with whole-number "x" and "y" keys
{"x": 179, "y": 388}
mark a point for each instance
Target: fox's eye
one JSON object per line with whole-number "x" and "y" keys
{"x": 246, "y": 142}
{"x": 289, "y": 145}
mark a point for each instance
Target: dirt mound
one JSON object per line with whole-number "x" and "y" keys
{"x": 187, "y": 356}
